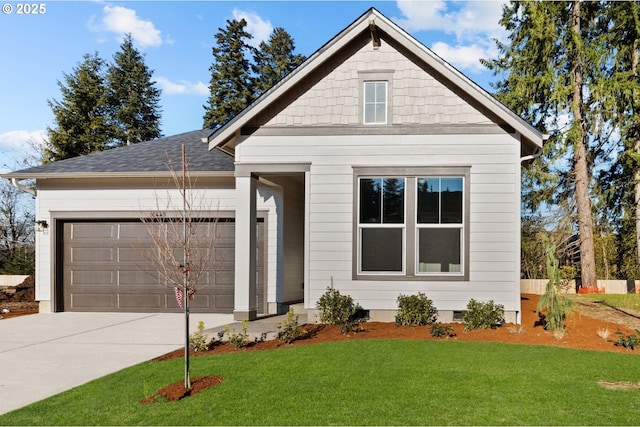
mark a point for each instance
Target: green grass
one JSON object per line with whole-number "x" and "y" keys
{"x": 622, "y": 301}
{"x": 365, "y": 382}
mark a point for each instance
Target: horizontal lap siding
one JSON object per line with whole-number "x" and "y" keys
{"x": 494, "y": 181}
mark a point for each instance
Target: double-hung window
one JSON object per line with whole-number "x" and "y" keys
{"x": 411, "y": 223}
{"x": 375, "y": 102}
{"x": 381, "y": 230}
{"x": 439, "y": 225}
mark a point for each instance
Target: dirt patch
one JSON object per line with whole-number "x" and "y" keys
{"x": 177, "y": 391}
{"x": 19, "y": 301}
{"x": 591, "y": 326}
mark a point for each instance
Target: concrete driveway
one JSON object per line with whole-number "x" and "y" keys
{"x": 45, "y": 354}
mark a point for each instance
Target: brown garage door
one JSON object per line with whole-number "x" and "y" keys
{"x": 104, "y": 269}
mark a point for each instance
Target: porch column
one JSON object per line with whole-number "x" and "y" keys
{"x": 245, "y": 304}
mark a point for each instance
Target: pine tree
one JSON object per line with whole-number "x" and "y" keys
{"x": 132, "y": 96}
{"x": 275, "y": 59}
{"x": 546, "y": 79}
{"x": 81, "y": 116}
{"x": 231, "y": 85}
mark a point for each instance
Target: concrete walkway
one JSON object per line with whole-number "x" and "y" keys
{"x": 48, "y": 353}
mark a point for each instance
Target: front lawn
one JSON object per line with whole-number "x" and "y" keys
{"x": 364, "y": 382}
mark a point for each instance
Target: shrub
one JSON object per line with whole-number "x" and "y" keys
{"x": 198, "y": 339}
{"x": 288, "y": 331}
{"x": 337, "y": 309}
{"x": 553, "y": 308}
{"x": 628, "y": 341}
{"x": 482, "y": 315}
{"x": 238, "y": 339}
{"x": 440, "y": 331}
{"x": 415, "y": 310}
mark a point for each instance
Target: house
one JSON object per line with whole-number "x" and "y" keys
{"x": 375, "y": 167}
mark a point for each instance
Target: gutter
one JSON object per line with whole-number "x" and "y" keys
{"x": 15, "y": 183}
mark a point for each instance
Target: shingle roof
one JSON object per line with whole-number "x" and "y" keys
{"x": 149, "y": 157}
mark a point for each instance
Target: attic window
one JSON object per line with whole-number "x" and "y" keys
{"x": 375, "y": 102}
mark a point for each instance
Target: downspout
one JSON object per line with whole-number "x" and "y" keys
{"x": 535, "y": 155}
{"x": 15, "y": 183}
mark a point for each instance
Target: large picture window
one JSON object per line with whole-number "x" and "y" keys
{"x": 412, "y": 225}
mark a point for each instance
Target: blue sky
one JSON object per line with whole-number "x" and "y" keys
{"x": 176, "y": 38}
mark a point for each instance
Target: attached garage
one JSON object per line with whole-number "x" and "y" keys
{"x": 104, "y": 268}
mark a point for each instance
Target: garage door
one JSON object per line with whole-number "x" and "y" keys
{"x": 105, "y": 269}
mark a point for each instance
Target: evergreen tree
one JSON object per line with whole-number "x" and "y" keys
{"x": 620, "y": 29}
{"x": 81, "y": 116}
{"x": 231, "y": 85}
{"x": 546, "y": 80}
{"x": 274, "y": 59}
{"x": 132, "y": 96}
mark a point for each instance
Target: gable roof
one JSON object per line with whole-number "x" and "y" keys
{"x": 144, "y": 159}
{"x": 374, "y": 25}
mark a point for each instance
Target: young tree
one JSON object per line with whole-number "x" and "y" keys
{"x": 274, "y": 59}
{"x": 182, "y": 247}
{"x": 16, "y": 232}
{"x": 133, "y": 98}
{"x": 546, "y": 81}
{"x": 231, "y": 84}
{"x": 81, "y": 117}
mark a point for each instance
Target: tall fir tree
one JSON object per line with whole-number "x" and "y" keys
{"x": 620, "y": 30}
{"x": 133, "y": 99}
{"x": 231, "y": 84}
{"x": 274, "y": 59}
{"x": 549, "y": 71}
{"x": 81, "y": 117}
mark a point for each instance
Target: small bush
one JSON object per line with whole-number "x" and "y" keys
{"x": 288, "y": 331}
{"x": 441, "y": 331}
{"x": 198, "y": 339}
{"x": 482, "y": 315}
{"x": 415, "y": 310}
{"x": 337, "y": 309}
{"x": 238, "y": 339}
{"x": 628, "y": 341}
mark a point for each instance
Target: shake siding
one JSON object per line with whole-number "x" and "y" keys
{"x": 418, "y": 98}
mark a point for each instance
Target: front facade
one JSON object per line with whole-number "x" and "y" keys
{"x": 375, "y": 168}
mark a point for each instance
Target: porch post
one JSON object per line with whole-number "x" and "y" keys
{"x": 245, "y": 304}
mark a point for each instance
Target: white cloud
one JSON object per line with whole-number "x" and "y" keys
{"x": 464, "y": 19}
{"x": 183, "y": 87}
{"x": 21, "y": 140}
{"x": 19, "y": 145}
{"x": 473, "y": 23}
{"x": 121, "y": 20}
{"x": 462, "y": 57}
{"x": 256, "y": 26}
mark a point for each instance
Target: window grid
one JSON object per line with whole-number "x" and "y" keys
{"x": 375, "y": 102}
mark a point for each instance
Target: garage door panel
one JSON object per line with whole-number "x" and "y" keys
{"x": 84, "y": 253}
{"x": 92, "y": 302}
{"x": 92, "y": 231}
{"x": 105, "y": 269}
{"x": 92, "y": 278}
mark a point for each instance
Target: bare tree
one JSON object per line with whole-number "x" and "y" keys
{"x": 183, "y": 238}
